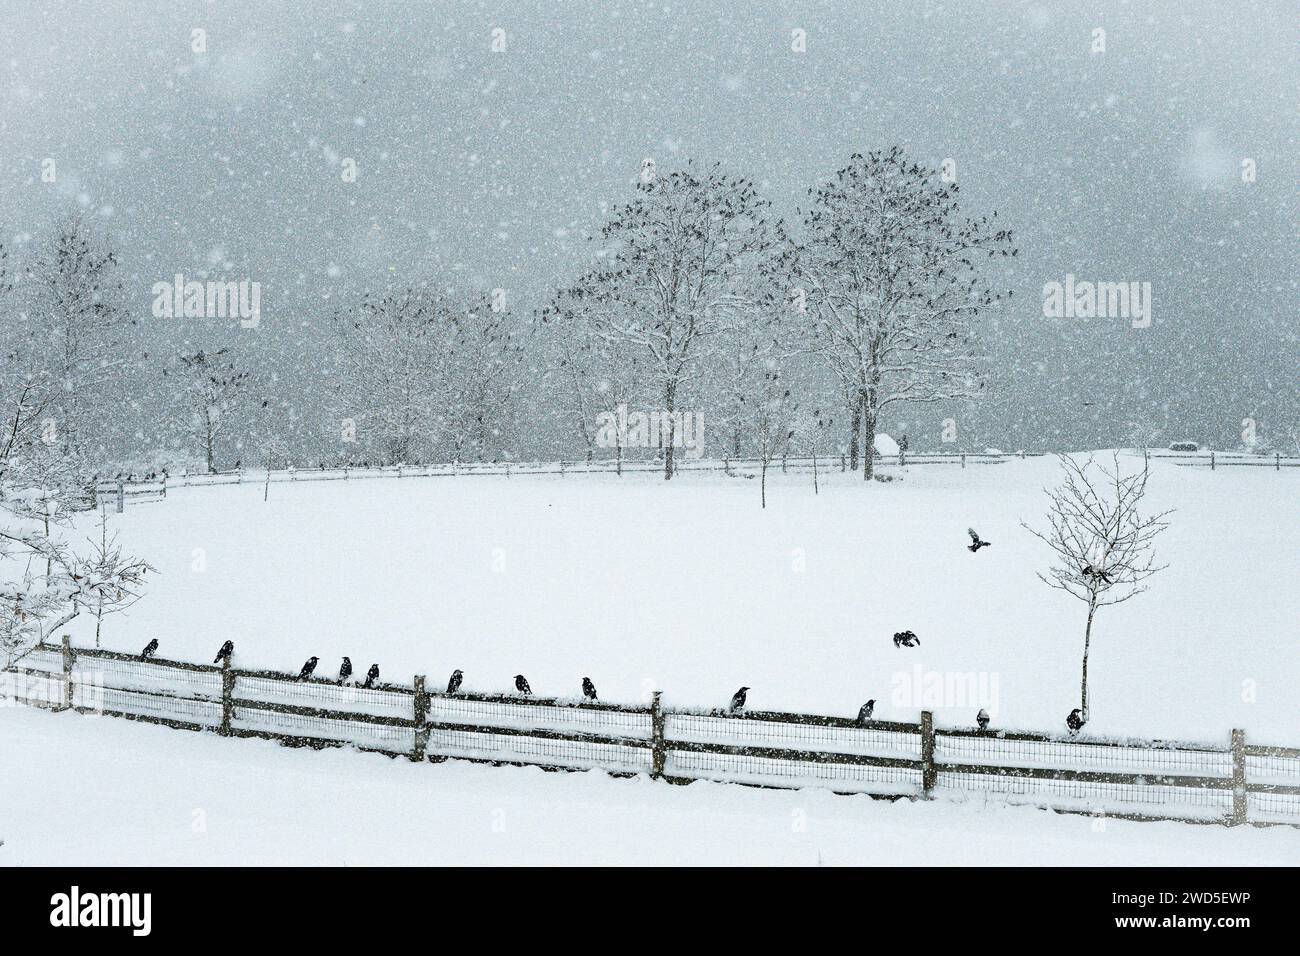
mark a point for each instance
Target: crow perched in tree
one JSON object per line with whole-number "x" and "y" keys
{"x": 588, "y": 689}
{"x": 1075, "y": 720}
{"x": 976, "y": 543}
{"x": 453, "y": 685}
{"x": 345, "y": 670}
{"x": 906, "y": 639}
{"x": 227, "y": 649}
{"x": 521, "y": 684}
{"x": 308, "y": 667}
{"x": 982, "y": 718}
{"x": 864, "y": 714}
{"x": 372, "y": 675}
{"x": 1096, "y": 573}
{"x": 738, "y": 700}
{"x": 149, "y": 649}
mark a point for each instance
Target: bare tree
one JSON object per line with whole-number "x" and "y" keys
{"x": 427, "y": 370}
{"x": 393, "y": 349}
{"x": 214, "y": 387}
{"x": 110, "y": 581}
{"x": 43, "y": 583}
{"x": 675, "y": 271}
{"x": 78, "y": 331}
{"x": 484, "y": 355}
{"x": 894, "y": 277}
{"x": 772, "y": 416}
{"x": 1102, "y": 545}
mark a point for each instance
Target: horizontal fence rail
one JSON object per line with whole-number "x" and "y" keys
{"x": 1231, "y": 784}
{"x": 131, "y": 489}
{"x": 156, "y": 487}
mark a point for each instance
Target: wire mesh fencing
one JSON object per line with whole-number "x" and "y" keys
{"x": 1237, "y": 783}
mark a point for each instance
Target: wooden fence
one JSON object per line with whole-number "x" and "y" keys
{"x": 130, "y": 489}
{"x": 1231, "y": 784}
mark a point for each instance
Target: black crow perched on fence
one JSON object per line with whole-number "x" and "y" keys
{"x": 1075, "y": 720}
{"x": 906, "y": 639}
{"x": 227, "y": 649}
{"x": 588, "y": 689}
{"x": 982, "y": 718}
{"x": 453, "y": 685}
{"x": 308, "y": 667}
{"x": 521, "y": 684}
{"x": 149, "y": 649}
{"x": 864, "y": 713}
{"x": 372, "y": 675}
{"x": 345, "y": 670}
{"x": 738, "y": 700}
{"x": 976, "y": 543}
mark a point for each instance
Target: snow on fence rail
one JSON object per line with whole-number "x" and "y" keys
{"x": 1141, "y": 779}
{"x": 130, "y": 489}
{"x": 155, "y": 487}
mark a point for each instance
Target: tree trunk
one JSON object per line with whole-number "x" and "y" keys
{"x": 670, "y": 397}
{"x": 814, "y": 458}
{"x": 868, "y": 439}
{"x": 1087, "y": 641}
{"x": 763, "y": 482}
{"x": 854, "y": 431}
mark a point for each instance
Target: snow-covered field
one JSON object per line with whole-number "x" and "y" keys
{"x": 99, "y": 791}
{"x": 690, "y": 588}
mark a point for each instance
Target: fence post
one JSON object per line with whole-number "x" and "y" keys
{"x": 1238, "y": 778}
{"x": 1211, "y": 461}
{"x": 783, "y": 464}
{"x": 227, "y": 697}
{"x": 421, "y": 719}
{"x": 69, "y": 658}
{"x": 927, "y": 753}
{"x": 963, "y": 459}
{"x": 121, "y": 495}
{"x": 1277, "y": 461}
{"x": 657, "y": 736}
{"x": 843, "y": 465}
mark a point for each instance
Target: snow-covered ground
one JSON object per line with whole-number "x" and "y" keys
{"x": 99, "y": 791}
{"x": 689, "y": 587}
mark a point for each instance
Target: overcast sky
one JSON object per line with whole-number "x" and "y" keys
{"x": 489, "y": 169}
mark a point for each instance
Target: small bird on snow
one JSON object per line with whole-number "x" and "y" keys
{"x": 1075, "y": 720}
{"x": 149, "y": 649}
{"x": 864, "y": 714}
{"x": 345, "y": 670}
{"x": 588, "y": 689}
{"x": 976, "y": 543}
{"x": 738, "y": 700}
{"x": 307, "y": 668}
{"x": 372, "y": 675}
{"x": 521, "y": 685}
{"x": 982, "y": 718}
{"x": 227, "y": 649}
{"x": 906, "y": 639}
{"x": 453, "y": 685}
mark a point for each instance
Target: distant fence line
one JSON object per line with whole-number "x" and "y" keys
{"x": 1137, "y": 779}
{"x": 131, "y": 488}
